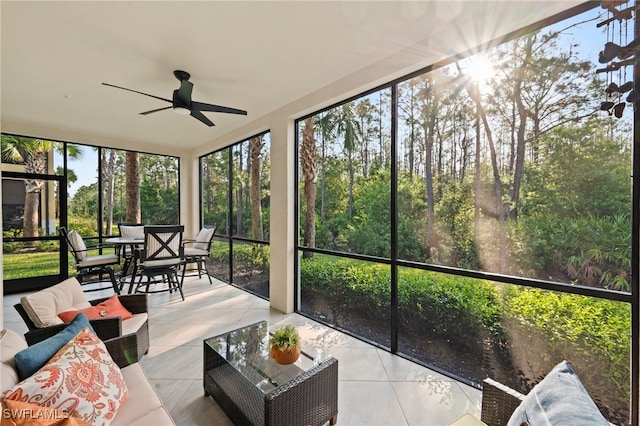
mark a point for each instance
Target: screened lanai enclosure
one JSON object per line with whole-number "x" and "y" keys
{"x": 50, "y": 184}
{"x": 476, "y": 216}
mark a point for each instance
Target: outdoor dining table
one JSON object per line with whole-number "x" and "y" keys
{"x": 124, "y": 242}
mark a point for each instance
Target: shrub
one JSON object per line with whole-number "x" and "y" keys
{"x": 593, "y": 334}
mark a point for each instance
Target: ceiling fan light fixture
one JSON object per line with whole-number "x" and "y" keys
{"x": 181, "y": 110}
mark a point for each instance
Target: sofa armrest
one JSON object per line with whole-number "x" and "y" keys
{"x": 498, "y": 402}
{"x": 134, "y": 303}
{"x": 123, "y": 349}
{"x": 105, "y": 328}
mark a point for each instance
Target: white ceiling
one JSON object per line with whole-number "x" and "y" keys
{"x": 253, "y": 55}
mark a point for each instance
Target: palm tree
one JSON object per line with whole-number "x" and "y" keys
{"x": 309, "y": 163}
{"x": 34, "y": 154}
{"x": 346, "y": 124}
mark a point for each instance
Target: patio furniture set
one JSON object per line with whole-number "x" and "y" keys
{"x": 154, "y": 257}
{"x": 238, "y": 372}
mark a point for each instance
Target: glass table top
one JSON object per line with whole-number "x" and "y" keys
{"x": 247, "y": 350}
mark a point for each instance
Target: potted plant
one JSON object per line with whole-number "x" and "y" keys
{"x": 285, "y": 345}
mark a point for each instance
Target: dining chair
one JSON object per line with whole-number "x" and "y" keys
{"x": 87, "y": 265}
{"x": 133, "y": 231}
{"x": 197, "y": 251}
{"x": 159, "y": 260}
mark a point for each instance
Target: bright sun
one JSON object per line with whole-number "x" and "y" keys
{"x": 480, "y": 69}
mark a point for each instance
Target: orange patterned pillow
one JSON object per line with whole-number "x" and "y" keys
{"x": 109, "y": 308}
{"x": 80, "y": 379}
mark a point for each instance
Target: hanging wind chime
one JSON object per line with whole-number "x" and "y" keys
{"x": 618, "y": 53}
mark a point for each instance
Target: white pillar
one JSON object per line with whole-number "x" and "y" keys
{"x": 282, "y": 216}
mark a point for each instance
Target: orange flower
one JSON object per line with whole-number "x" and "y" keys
{"x": 85, "y": 380}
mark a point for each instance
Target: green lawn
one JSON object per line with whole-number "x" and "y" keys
{"x": 33, "y": 264}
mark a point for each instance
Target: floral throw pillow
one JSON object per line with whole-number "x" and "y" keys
{"x": 80, "y": 379}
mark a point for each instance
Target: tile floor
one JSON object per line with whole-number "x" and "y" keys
{"x": 375, "y": 387}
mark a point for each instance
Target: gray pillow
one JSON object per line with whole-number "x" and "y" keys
{"x": 559, "y": 399}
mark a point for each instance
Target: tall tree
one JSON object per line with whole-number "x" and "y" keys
{"x": 108, "y": 160}
{"x": 255, "y": 151}
{"x": 132, "y": 173}
{"x": 309, "y": 162}
{"x": 347, "y": 126}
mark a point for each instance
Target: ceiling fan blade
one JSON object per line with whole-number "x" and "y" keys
{"x": 200, "y": 116}
{"x": 199, "y": 106}
{"x": 155, "y": 110}
{"x": 140, "y": 93}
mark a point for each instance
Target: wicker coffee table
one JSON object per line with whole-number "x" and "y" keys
{"x": 252, "y": 389}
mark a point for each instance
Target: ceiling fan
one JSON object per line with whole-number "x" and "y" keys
{"x": 182, "y": 103}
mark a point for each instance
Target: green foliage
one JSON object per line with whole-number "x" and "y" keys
{"x": 252, "y": 254}
{"x": 455, "y": 219}
{"x": 579, "y": 170}
{"x": 471, "y": 314}
{"x": 594, "y": 251}
{"x": 159, "y": 205}
{"x": 441, "y": 304}
{"x": 447, "y": 305}
{"x": 592, "y": 332}
{"x": 285, "y": 337}
{"x": 85, "y": 226}
{"x": 348, "y": 283}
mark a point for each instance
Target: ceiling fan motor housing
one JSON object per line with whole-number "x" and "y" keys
{"x": 179, "y": 101}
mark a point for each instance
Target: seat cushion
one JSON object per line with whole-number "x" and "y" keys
{"x": 31, "y": 359}
{"x": 44, "y": 306}
{"x": 143, "y": 398}
{"x": 97, "y": 260}
{"x": 158, "y": 417}
{"x": 80, "y": 378}
{"x": 10, "y": 344}
{"x": 109, "y": 308}
{"x": 559, "y": 399}
{"x": 192, "y": 251}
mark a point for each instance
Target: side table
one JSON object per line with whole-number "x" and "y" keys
{"x": 252, "y": 389}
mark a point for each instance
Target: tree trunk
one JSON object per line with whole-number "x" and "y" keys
{"x": 521, "y": 142}
{"x": 255, "y": 148}
{"x": 429, "y": 133}
{"x": 132, "y": 173}
{"x": 309, "y": 160}
{"x": 239, "y": 195}
{"x": 497, "y": 182}
{"x": 34, "y": 163}
{"x": 108, "y": 171}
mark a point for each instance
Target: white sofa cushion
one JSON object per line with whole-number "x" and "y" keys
{"x": 159, "y": 416}
{"x": 147, "y": 402}
{"x": 10, "y": 344}
{"x": 44, "y": 306}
